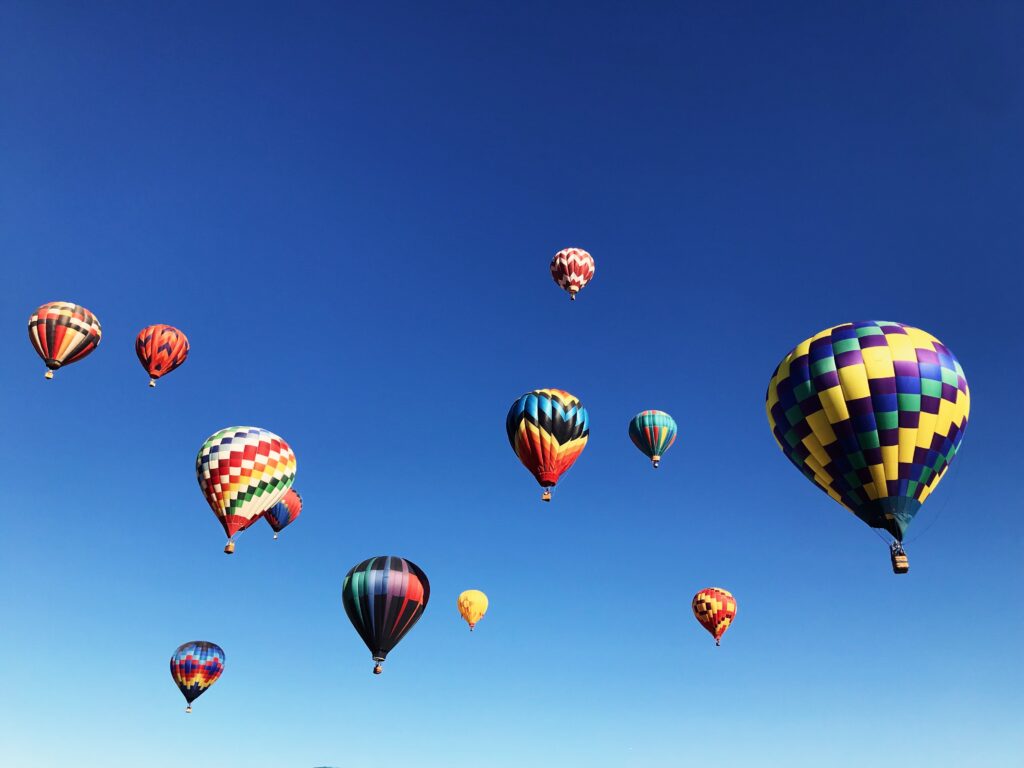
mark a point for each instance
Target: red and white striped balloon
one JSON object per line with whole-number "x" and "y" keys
{"x": 572, "y": 268}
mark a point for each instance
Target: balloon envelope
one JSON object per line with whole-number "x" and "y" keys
{"x": 653, "y": 432}
{"x": 548, "y": 430}
{"x": 384, "y": 597}
{"x": 872, "y": 413}
{"x": 715, "y": 609}
{"x": 63, "y": 333}
{"x": 572, "y": 269}
{"x": 472, "y": 605}
{"x": 242, "y": 471}
{"x": 195, "y": 667}
{"x": 160, "y": 349}
{"x": 283, "y": 514}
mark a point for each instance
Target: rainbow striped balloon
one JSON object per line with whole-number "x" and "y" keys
{"x": 195, "y": 667}
{"x": 653, "y": 432}
{"x": 242, "y": 471}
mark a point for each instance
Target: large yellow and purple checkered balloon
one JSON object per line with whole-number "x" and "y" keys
{"x": 873, "y": 413}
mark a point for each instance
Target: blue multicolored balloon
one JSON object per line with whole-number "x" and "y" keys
{"x": 653, "y": 432}
{"x": 195, "y": 667}
{"x": 283, "y": 514}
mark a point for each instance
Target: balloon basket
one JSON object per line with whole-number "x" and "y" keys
{"x": 899, "y": 558}
{"x": 49, "y": 375}
{"x": 546, "y": 496}
{"x": 275, "y": 537}
{"x": 188, "y": 710}
{"x": 900, "y": 564}
{"x": 378, "y": 669}
{"x": 229, "y": 548}
{"x": 655, "y": 460}
{"x": 152, "y": 382}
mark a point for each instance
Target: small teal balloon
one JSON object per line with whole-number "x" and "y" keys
{"x": 653, "y": 432}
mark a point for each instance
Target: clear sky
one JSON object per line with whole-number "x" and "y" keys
{"x": 350, "y": 211}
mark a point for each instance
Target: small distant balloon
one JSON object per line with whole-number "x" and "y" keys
{"x": 472, "y": 605}
{"x": 242, "y": 471}
{"x": 195, "y": 667}
{"x": 572, "y": 269}
{"x": 160, "y": 349}
{"x": 283, "y": 514}
{"x": 384, "y": 597}
{"x": 715, "y": 609}
{"x": 653, "y": 432}
{"x": 63, "y": 333}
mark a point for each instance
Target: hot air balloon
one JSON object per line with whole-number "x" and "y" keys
{"x": 160, "y": 349}
{"x": 63, "y": 333}
{"x": 572, "y": 268}
{"x": 472, "y": 605}
{"x": 872, "y": 413}
{"x": 283, "y": 514}
{"x": 653, "y": 432}
{"x": 195, "y": 667}
{"x": 384, "y": 597}
{"x": 242, "y": 471}
{"x": 548, "y": 429}
{"x": 715, "y": 609}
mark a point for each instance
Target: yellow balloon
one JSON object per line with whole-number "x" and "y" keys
{"x": 472, "y": 606}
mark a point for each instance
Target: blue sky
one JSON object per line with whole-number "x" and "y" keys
{"x": 350, "y": 212}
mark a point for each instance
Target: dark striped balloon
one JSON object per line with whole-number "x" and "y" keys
{"x": 384, "y": 597}
{"x": 63, "y": 333}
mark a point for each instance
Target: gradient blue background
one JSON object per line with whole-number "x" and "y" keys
{"x": 350, "y": 211}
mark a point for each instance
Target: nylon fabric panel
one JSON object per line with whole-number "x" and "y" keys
{"x": 352, "y": 599}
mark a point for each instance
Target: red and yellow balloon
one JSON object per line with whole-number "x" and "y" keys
{"x": 714, "y": 608}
